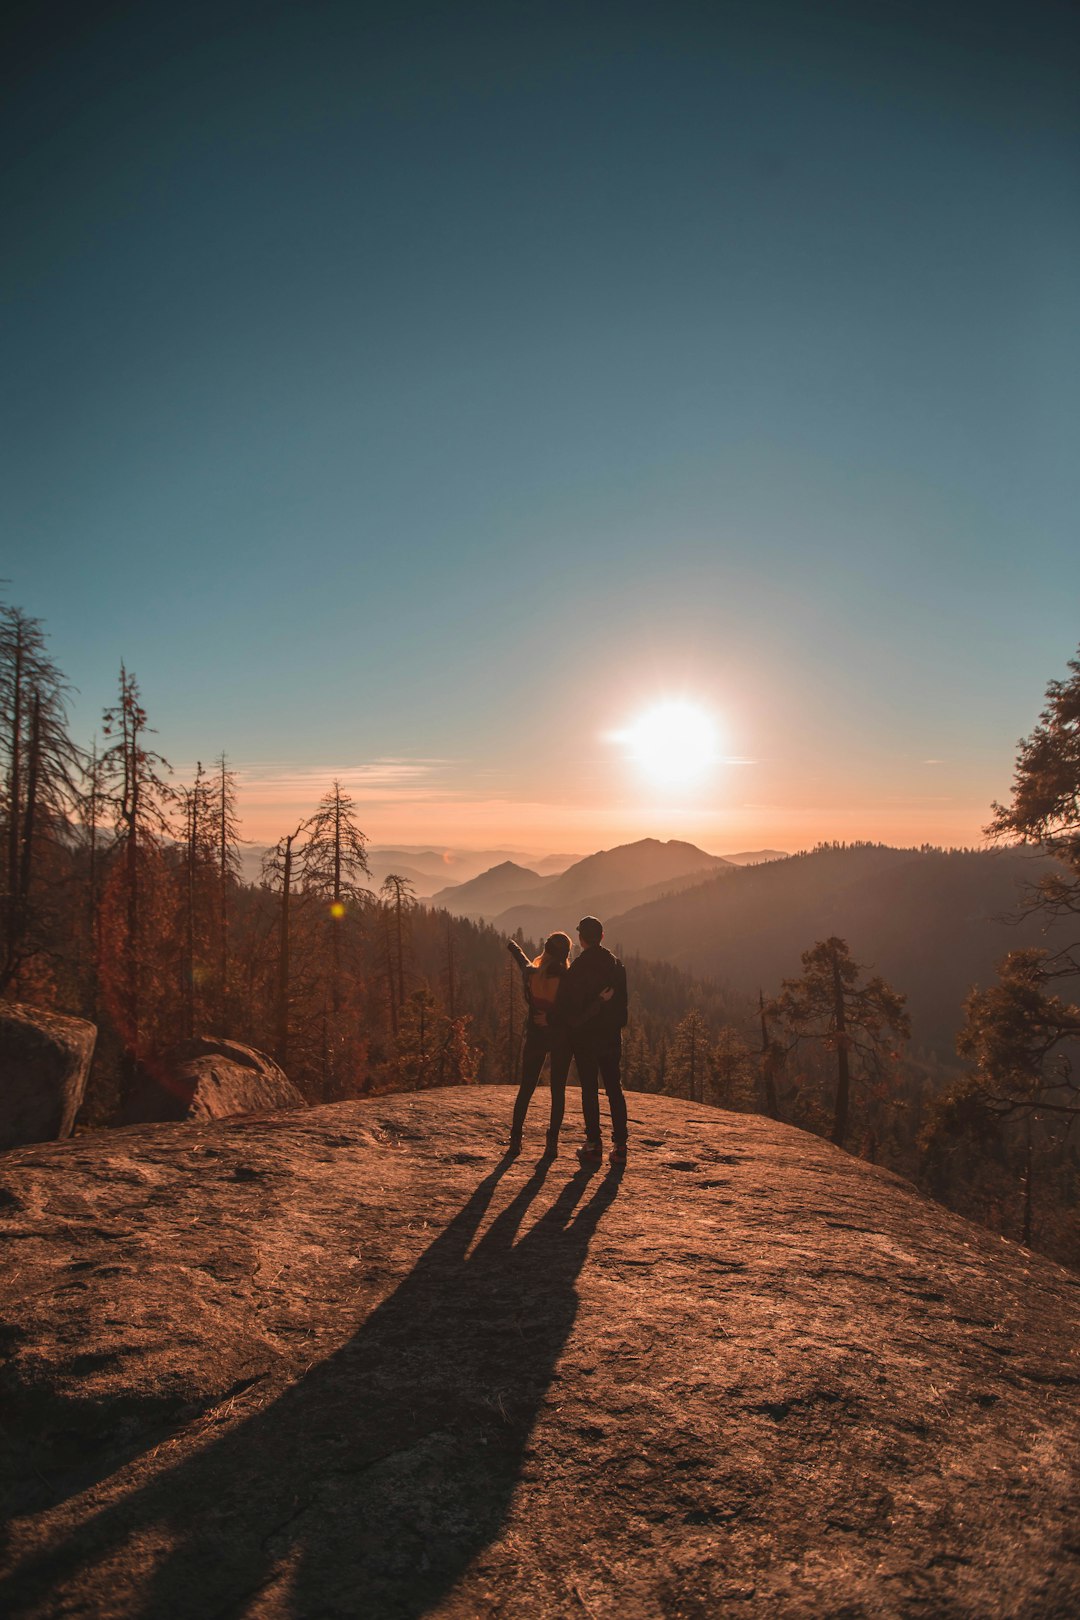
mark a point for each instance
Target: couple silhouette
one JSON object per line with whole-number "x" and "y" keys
{"x": 577, "y": 1013}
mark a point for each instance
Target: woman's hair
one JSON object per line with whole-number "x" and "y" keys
{"x": 555, "y": 954}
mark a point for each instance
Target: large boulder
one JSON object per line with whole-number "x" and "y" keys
{"x": 207, "y": 1078}
{"x": 44, "y": 1063}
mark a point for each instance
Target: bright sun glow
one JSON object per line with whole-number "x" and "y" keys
{"x": 674, "y": 743}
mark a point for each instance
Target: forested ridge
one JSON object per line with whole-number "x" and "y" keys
{"x": 123, "y": 902}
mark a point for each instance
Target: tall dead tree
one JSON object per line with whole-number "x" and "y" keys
{"x": 91, "y": 810}
{"x": 199, "y": 852}
{"x": 140, "y": 800}
{"x": 398, "y": 900}
{"x": 334, "y": 868}
{"x": 278, "y": 868}
{"x": 40, "y": 768}
{"x": 227, "y": 840}
{"x": 335, "y": 864}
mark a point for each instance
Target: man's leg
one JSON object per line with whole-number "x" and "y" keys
{"x": 588, "y": 1068}
{"x": 610, "y": 1065}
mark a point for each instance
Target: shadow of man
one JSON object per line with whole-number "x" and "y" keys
{"x": 376, "y": 1478}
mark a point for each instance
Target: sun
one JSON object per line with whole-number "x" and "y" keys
{"x": 673, "y": 743}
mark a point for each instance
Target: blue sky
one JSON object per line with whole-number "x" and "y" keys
{"x": 442, "y": 386}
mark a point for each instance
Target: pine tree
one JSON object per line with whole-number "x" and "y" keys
{"x": 689, "y": 1070}
{"x": 398, "y": 902}
{"x": 734, "y": 1071}
{"x": 197, "y": 822}
{"x": 279, "y": 876}
{"x": 1020, "y": 1035}
{"x": 92, "y": 812}
{"x": 226, "y": 828}
{"x": 334, "y": 865}
{"x": 1045, "y": 807}
{"x": 140, "y": 801}
{"x": 1019, "y": 1032}
{"x": 637, "y": 1066}
{"x": 41, "y": 768}
{"x": 829, "y": 1004}
{"x": 418, "y": 1042}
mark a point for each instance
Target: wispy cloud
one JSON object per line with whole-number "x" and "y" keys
{"x": 375, "y": 780}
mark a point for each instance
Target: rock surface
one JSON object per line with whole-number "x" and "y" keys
{"x": 207, "y": 1078}
{"x": 349, "y": 1362}
{"x": 44, "y": 1063}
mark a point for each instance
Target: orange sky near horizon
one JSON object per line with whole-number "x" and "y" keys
{"x": 275, "y": 805}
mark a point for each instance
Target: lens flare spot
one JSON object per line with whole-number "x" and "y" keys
{"x": 337, "y": 908}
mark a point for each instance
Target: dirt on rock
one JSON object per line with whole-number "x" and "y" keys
{"x": 352, "y": 1362}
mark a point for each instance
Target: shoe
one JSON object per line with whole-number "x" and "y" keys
{"x": 617, "y": 1156}
{"x": 590, "y": 1153}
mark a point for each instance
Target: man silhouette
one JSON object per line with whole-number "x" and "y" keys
{"x": 592, "y": 1006}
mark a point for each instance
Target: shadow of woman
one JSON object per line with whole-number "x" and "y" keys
{"x": 372, "y": 1483}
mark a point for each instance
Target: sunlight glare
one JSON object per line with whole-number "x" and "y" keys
{"x": 674, "y": 742}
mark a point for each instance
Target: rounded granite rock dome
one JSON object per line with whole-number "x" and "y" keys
{"x": 351, "y": 1361}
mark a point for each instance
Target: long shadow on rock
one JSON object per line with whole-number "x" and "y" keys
{"x": 372, "y": 1483}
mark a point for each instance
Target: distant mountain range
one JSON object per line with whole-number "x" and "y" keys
{"x": 932, "y": 922}
{"x": 433, "y": 871}
{"x": 513, "y": 896}
{"x": 426, "y": 869}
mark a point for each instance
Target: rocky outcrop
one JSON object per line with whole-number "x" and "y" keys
{"x": 44, "y": 1063}
{"x": 207, "y": 1078}
{"x": 350, "y": 1362}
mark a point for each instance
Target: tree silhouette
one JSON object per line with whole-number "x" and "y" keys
{"x": 334, "y": 864}
{"x": 829, "y": 1004}
{"x": 140, "y": 801}
{"x": 1045, "y": 806}
{"x": 41, "y": 768}
{"x": 690, "y": 1059}
{"x": 279, "y": 876}
{"x": 226, "y": 825}
{"x": 1019, "y": 1033}
{"x": 733, "y": 1071}
{"x": 398, "y": 901}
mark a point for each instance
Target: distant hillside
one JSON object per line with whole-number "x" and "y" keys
{"x": 606, "y": 882}
{"x": 426, "y": 869}
{"x": 537, "y": 919}
{"x": 484, "y": 896}
{"x": 754, "y": 857}
{"x": 930, "y": 921}
{"x": 440, "y": 866}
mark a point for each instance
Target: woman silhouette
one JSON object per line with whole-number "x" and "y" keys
{"x": 543, "y": 1036}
